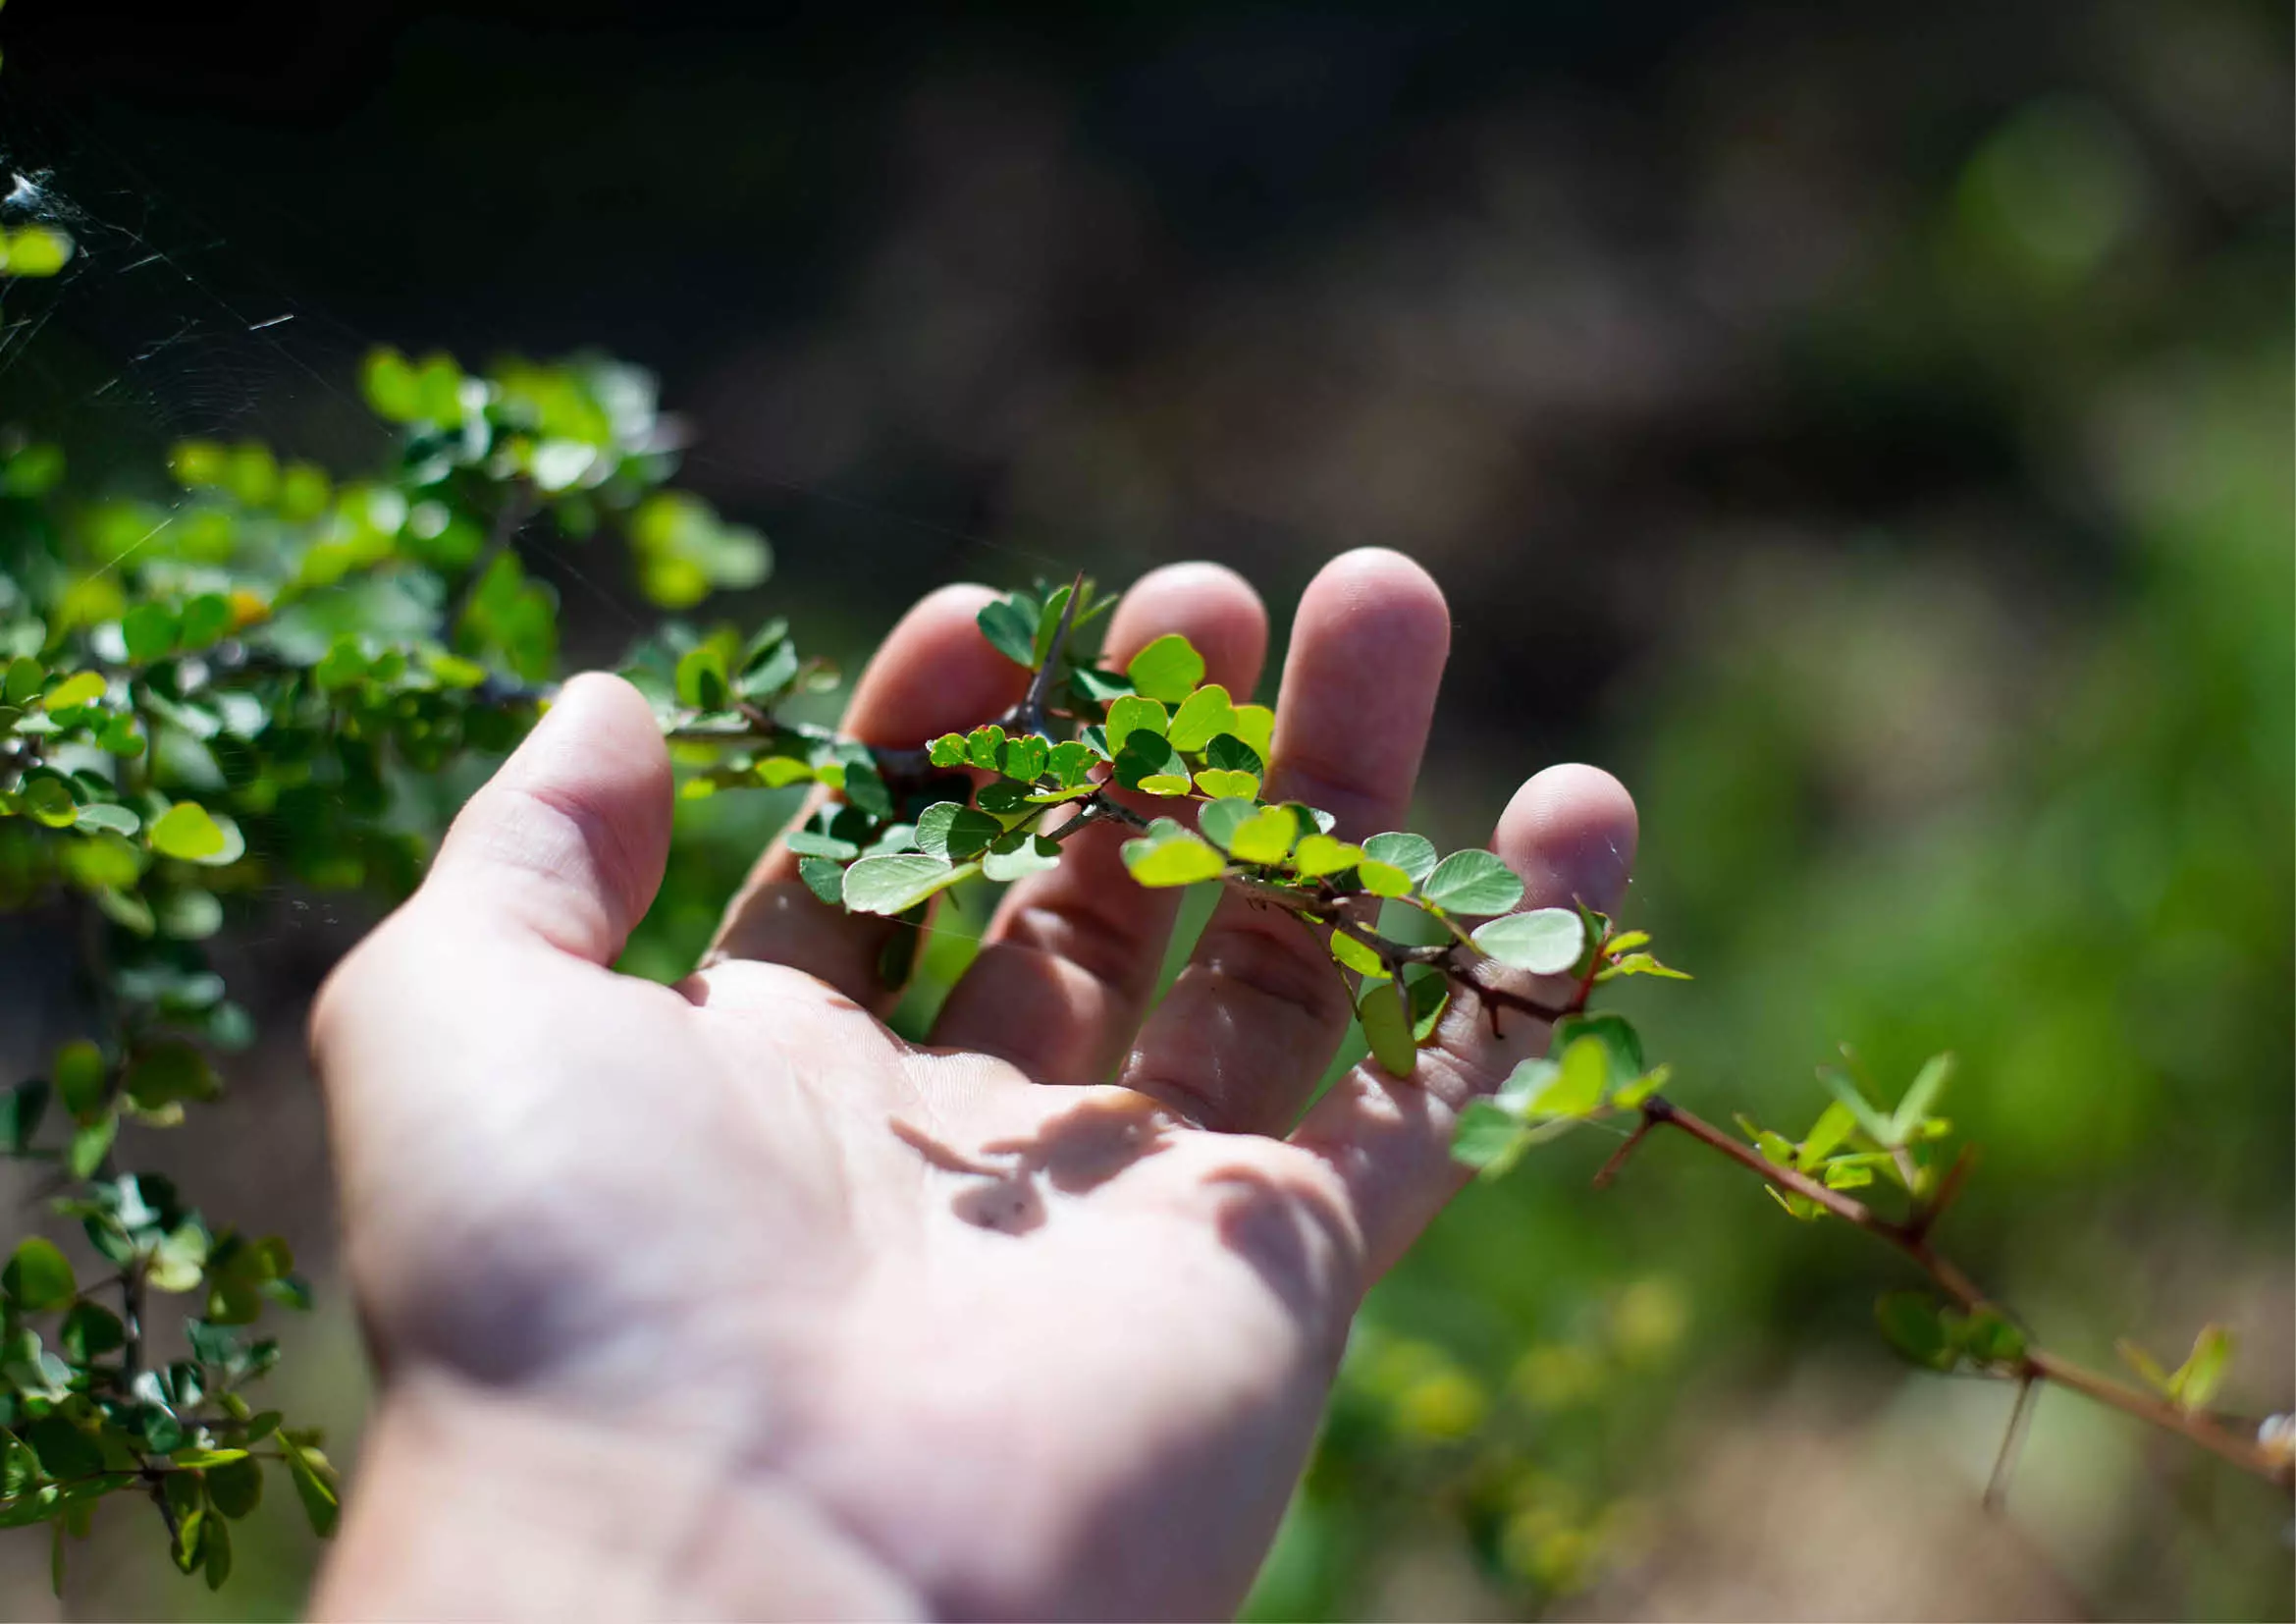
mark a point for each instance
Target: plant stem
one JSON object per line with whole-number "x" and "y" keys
{"x": 1910, "y": 1238}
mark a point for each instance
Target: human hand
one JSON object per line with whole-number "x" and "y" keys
{"x": 721, "y": 1298}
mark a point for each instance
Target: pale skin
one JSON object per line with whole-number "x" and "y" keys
{"x": 721, "y": 1300}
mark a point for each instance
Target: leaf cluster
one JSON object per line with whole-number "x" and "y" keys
{"x": 239, "y": 676}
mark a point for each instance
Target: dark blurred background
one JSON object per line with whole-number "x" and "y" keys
{"x": 1867, "y": 429}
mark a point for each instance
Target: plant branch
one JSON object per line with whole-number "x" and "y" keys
{"x": 1029, "y": 715}
{"x": 1911, "y": 1239}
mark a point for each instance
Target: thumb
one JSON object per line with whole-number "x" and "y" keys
{"x": 567, "y": 842}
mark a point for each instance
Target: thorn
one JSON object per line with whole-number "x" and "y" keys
{"x": 1997, "y": 1489}
{"x": 1610, "y": 1168}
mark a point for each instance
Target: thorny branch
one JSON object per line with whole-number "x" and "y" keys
{"x": 1910, "y": 1238}
{"x": 1321, "y": 902}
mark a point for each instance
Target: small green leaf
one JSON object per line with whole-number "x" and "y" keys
{"x": 824, "y": 877}
{"x": 1927, "y": 1085}
{"x": 2195, "y": 1382}
{"x": 314, "y": 1486}
{"x": 83, "y": 688}
{"x": 1132, "y": 714}
{"x": 1319, "y": 854}
{"x": 199, "y": 1458}
{"x": 1627, "y": 1096}
{"x": 89, "y": 1332}
{"x": 1487, "y": 1139}
{"x": 1576, "y": 1087}
{"x": 1025, "y": 758}
{"x": 1070, "y": 763}
{"x": 701, "y": 678}
{"x": 170, "y": 1070}
{"x": 186, "y": 831}
{"x": 1828, "y": 1134}
{"x": 1471, "y": 881}
{"x": 897, "y": 884}
{"x": 809, "y": 843}
{"x": 1990, "y": 1338}
{"x": 1226, "y": 784}
{"x": 21, "y": 685}
{"x": 985, "y": 747}
{"x": 38, "y": 1277}
{"x": 48, "y": 799}
{"x": 82, "y": 1078}
{"x": 90, "y": 1143}
{"x": 1382, "y": 878}
{"x": 1202, "y": 716}
{"x": 948, "y": 750}
{"x": 1357, "y": 957}
{"x": 1545, "y": 941}
{"x": 1048, "y": 624}
{"x": 1641, "y": 964}
{"x": 1253, "y": 726}
{"x": 1916, "y": 1328}
{"x": 946, "y": 830}
{"x": 1414, "y": 854}
{"x": 215, "y": 1553}
{"x": 1169, "y": 669}
{"x": 65, "y": 1451}
{"x": 1430, "y": 996}
{"x": 1227, "y": 753}
{"x": 1011, "y": 630}
{"x": 1266, "y": 837}
{"x": 1147, "y": 756}
{"x": 1176, "y": 859}
{"x": 235, "y": 1488}
{"x": 1384, "y": 1010}
{"x": 109, "y": 817}
{"x": 1621, "y": 1044}
{"x": 149, "y": 631}
{"x": 1099, "y": 685}
{"x": 1218, "y": 820}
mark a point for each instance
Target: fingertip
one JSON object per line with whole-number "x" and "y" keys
{"x": 1571, "y": 833}
{"x": 1389, "y": 598}
{"x": 934, "y": 672}
{"x": 1210, "y": 605}
{"x": 572, "y": 835}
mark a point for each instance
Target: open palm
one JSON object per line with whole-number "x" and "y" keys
{"x": 955, "y": 1330}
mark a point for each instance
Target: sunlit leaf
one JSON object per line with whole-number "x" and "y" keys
{"x": 1174, "y": 858}
{"x": 1169, "y": 669}
{"x": 1414, "y": 854}
{"x": 1319, "y": 854}
{"x": 1266, "y": 837}
{"x": 897, "y": 884}
{"x": 189, "y": 831}
{"x": 1471, "y": 881}
{"x": 1202, "y": 717}
{"x": 1382, "y": 878}
{"x": 1357, "y": 957}
{"x": 1545, "y": 941}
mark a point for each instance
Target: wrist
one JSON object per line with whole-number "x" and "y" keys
{"x": 468, "y": 1503}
